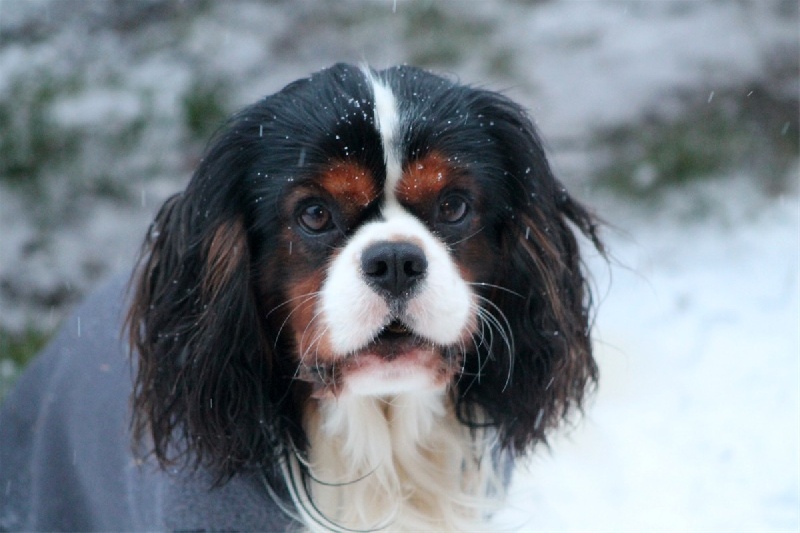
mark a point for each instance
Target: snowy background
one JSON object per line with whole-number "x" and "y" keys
{"x": 676, "y": 120}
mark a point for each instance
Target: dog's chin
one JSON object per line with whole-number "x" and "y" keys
{"x": 414, "y": 370}
{"x": 397, "y": 361}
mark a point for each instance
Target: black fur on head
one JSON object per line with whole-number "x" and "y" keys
{"x": 214, "y": 372}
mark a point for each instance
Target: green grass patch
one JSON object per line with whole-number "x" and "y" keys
{"x": 16, "y": 351}
{"x": 52, "y": 163}
{"x": 30, "y": 141}
{"x": 437, "y": 39}
{"x": 748, "y": 130}
{"x": 432, "y": 35}
{"x": 205, "y": 108}
{"x": 19, "y": 348}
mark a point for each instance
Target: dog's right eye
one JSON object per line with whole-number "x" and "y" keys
{"x": 315, "y": 218}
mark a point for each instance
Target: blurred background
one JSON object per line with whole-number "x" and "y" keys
{"x": 677, "y": 121}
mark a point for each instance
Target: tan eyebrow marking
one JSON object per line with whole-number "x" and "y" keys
{"x": 350, "y": 184}
{"x": 423, "y": 179}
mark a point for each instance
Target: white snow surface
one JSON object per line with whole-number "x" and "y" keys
{"x": 696, "y": 422}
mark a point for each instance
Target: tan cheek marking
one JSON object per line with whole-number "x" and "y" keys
{"x": 226, "y": 251}
{"x": 471, "y": 327}
{"x": 423, "y": 179}
{"x": 350, "y": 184}
{"x": 465, "y": 272}
{"x": 307, "y": 327}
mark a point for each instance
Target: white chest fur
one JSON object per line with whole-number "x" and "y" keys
{"x": 396, "y": 464}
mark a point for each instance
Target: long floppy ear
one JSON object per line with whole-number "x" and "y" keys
{"x": 532, "y": 382}
{"x": 203, "y": 366}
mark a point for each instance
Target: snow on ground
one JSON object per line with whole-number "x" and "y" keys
{"x": 696, "y": 424}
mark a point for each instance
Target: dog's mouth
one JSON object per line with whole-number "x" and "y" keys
{"x": 396, "y": 360}
{"x": 392, "y": 340}
{"x": 395, "y": 328}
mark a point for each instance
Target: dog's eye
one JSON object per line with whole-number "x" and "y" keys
{"x": 315, "y": 218}
{"x": 453, "y": 209}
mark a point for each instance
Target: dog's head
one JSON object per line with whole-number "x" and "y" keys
{"x": 361, "y": 233}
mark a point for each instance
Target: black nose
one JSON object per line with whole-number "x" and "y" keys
{"x": 393, "y": 267}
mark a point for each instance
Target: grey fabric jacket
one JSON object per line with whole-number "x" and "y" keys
{"x": 65, "y": 446}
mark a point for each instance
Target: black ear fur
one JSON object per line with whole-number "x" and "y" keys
{"x": 204, "y": 368}
{"x": 542, "y": 292}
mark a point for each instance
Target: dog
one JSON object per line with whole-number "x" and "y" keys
{"x": 368, "y": 302}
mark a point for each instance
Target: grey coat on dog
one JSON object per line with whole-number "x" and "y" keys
{"x": 66, "y": 460}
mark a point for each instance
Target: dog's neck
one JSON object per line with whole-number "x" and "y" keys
{"x": 396, "y": 464}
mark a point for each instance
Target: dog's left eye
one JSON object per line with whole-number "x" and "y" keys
{"x": 453, "y": 209}
{"x": 315, "y": 218}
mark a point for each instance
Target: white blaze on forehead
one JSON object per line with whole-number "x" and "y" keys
{"x": 387, "y": 121}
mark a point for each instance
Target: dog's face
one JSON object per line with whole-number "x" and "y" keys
{"x": 362, "y": 234}
{"x": 392, "y": 310}
{"x": 387, "y": 233}
{"x": 380, "y": 295}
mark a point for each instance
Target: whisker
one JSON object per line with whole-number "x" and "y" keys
{"x": 493, "y": 286}
{"x": 468, "y": 237}
{"x": 503, "y": 327}
{"x": 314, "y": 340}
{"x": 488, "y": 321}
{"x": 290, "y": 300}
{"x": 313, "y": 345}
{"x": 505, "y": 331}
{"x": 308, "y": 297}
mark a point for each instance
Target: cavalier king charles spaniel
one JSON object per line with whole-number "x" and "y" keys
{"x": 367, "y": 303}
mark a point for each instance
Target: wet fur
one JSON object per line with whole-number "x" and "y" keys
{"x": 215, "y": 374}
